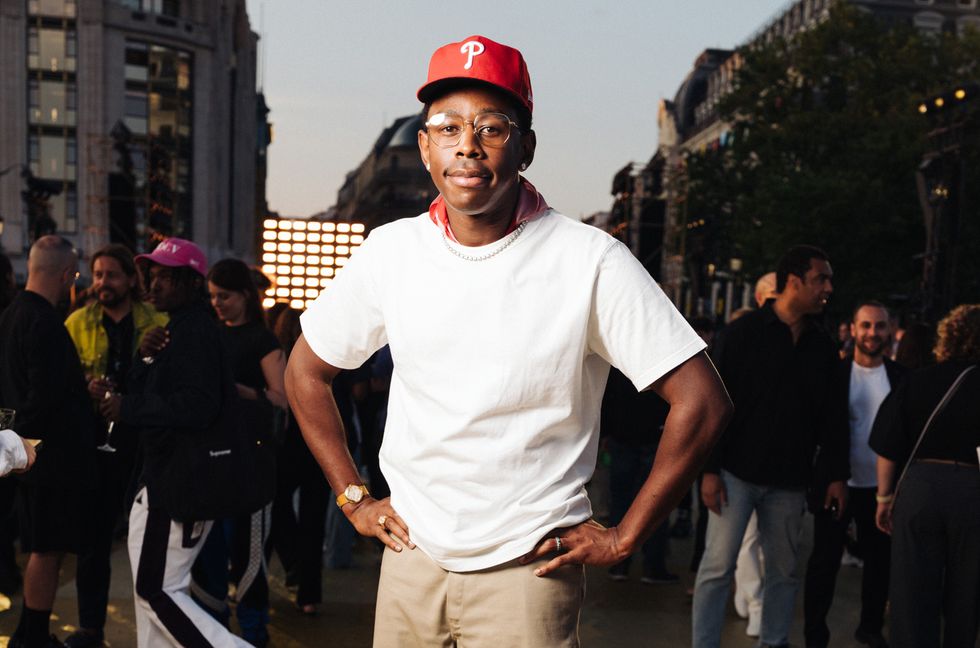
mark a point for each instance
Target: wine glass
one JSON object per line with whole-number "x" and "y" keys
{"x": 107, "y": 446}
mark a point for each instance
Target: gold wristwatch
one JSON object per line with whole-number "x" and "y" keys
{"x": 353, "y": 494}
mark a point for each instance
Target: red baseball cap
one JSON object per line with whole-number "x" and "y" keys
{"x": 478, "y": 58}
{"x": 177, "y": 252}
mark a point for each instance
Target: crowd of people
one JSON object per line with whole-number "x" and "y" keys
{"x": 476, "y": 340}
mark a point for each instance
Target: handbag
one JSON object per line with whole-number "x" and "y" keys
{"x": 227, "y": 469}
{"x": 935, "y": 412}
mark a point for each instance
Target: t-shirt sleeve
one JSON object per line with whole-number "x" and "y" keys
{"x": 889, "y": 437}
{"x": 266, "y": 343}
{"x": 633, "y": 325}
{"x": 345, "y": 324}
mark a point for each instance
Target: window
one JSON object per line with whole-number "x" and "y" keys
{"x": 51, "y": 163}
{"x": 928, "y": 22}
{"x": 55, "y": 8}
{"x": 51, "y": 107}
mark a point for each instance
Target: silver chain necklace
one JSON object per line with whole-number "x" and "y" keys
{"x": 507, "y": 243}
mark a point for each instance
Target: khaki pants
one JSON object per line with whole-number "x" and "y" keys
{"x": 421, "y": 605}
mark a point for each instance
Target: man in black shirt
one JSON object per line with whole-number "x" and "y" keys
{"x": 41, "y": 378}
{"x": 778, "y": 366}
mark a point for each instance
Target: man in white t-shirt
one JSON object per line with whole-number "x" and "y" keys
{"x": 865, "y": 380}
{"x": 503, "y": 317}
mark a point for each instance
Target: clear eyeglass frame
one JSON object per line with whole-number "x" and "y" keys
{"x": 478, "y": 124}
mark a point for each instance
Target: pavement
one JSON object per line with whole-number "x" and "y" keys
{"x": 625, "y": 614}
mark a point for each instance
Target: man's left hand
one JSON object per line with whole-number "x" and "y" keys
{"x": 588, "y": 543}
{"x": 836, "y": 492}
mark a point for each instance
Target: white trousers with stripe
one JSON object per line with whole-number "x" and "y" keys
{"x": 161, "y": 553}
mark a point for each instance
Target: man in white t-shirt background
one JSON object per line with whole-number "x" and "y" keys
{"x": 865, "y": 380}
{"x": 503, "y": 318}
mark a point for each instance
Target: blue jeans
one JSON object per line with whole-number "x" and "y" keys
{"x": 780, "y": 520}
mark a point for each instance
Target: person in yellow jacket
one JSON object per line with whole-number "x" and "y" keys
{"x": 107, "y": 334}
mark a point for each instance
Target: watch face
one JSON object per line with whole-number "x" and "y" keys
{"x": 354, "y": 493}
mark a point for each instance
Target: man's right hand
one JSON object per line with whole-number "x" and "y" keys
{"x": 154, "y": 341}
{"x": 713, "y": 492}
{"x": 367, "y": 516}
{"x": 97, "y": 388}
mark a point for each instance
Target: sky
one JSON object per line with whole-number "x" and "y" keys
{"x": 336, "y": 73}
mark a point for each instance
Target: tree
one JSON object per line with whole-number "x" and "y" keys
{"x": 826, "y": 142}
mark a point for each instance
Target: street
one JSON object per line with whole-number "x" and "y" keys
{"x": 624, "y": 614}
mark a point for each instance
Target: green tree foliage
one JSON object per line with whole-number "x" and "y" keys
{"x": 827, "y": 140}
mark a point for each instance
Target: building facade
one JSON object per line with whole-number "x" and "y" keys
{"x": 137, "y": 118}
{"x": 390, "y": 183}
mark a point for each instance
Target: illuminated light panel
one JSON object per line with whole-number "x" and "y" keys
{"x": 299, "y": 236}
{"x": 270, "y": 223}
{"x": 326, "y": 272}
{"x": 343, "y": 250}
{"x": 312, "y": 282}
{"x": 269, "y": 257}
{"x": 296, "y": 292}
{"x": 313, "y": 226}
{"x": 300, "y": 225}
{"x": 283, "y": 269}
{"x": 343, "y": 227}
{"x": 282, "y": 281}
{"x": 296, "y": 281}
{"x": 269, "y": 235}
{"x": 356, "y": 239}
{"x": 343, "y": 238}
{"x": 299, "y": 259}
{"x": 325, "y": 281}
{"x": 299, "y": 247}
{"x": 298, "y": 304}
{"x": 357, "y": 228}
{"x": 329, "y": 227}
{"x": 283, "y": 258}
{"x": 284, "y": 247}
{"x": 285, "y": 224}
{"x": 269, "y": 269}
{"x": 312, "y": 292}
{"x": 313, "y": 237}
{"x": 313, "y": 248}
{"x": 282, "y": 292}
{"x": 340, "y": 261}
{"x": 268, "y": 302}
{"x": 327, "y": 249}
{"x": 327, "y": 238}
{"x": 283, "y": 236}
{"x": 269, "y": 246}
{"x": 313, "y": 260}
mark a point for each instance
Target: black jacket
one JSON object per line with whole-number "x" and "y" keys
{"x": 41, "y": 377}
{"x": 786, "y": 404}
{"x": 181, "y": 391}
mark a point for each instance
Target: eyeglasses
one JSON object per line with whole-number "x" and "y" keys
{"x": 492, "y": 129}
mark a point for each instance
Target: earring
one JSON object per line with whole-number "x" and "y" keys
{"x": 523, "y": 166}
{"x": 428, "y": 167}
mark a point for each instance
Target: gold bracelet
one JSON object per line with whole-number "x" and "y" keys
{"x": 884, "y": 499}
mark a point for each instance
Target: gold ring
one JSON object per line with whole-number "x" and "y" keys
{"x": 382, "y": 520}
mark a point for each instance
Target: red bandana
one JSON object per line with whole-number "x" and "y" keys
{"x": 530, "y": 205}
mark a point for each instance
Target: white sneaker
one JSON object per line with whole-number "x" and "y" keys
{"x": 754, "y": 625}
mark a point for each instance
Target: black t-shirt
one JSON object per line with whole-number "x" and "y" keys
{"x": 120, "y": 356}
{"x": 954, "y": 434}
{"x": 246, "y": 345}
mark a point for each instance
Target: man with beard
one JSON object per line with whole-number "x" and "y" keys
{"x": 778, "y": 365}
{"x": 41, "y": 378}
{"x": 107, "y": 334}
{"x": 864, "y": 382}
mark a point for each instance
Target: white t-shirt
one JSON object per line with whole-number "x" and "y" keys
{"x": 868, "y": 388}
{"x": 500, "y": 366}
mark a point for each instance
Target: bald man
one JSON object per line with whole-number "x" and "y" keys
{"x": 765, "y": 288}
{"x": 41, "y": 378}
